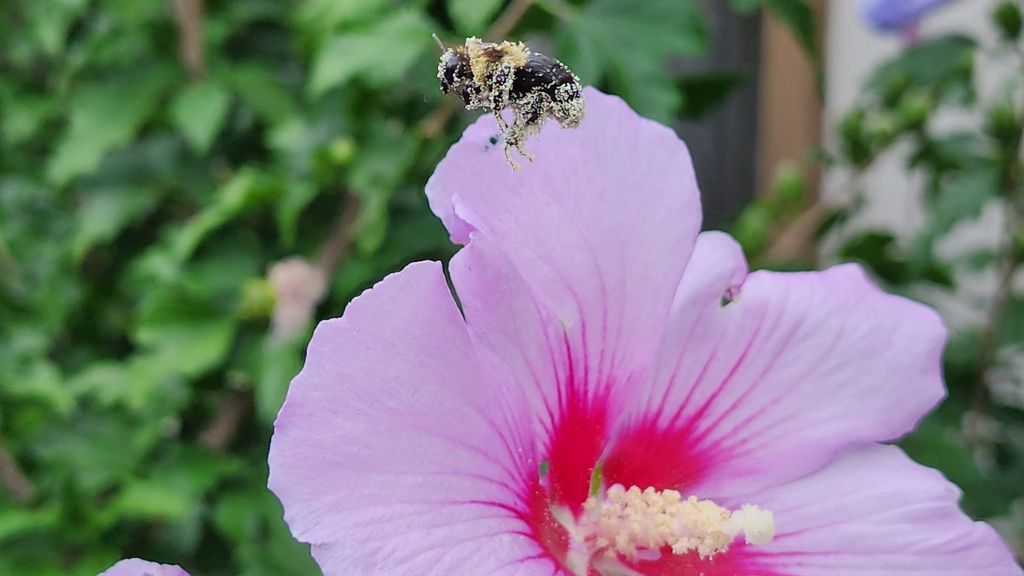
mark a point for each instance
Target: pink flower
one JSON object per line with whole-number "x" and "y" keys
{"x": 138, "y": 567}
{"x": 605, "y": 347}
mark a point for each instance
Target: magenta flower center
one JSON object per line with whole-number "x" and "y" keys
{"x": 594, "y": 524}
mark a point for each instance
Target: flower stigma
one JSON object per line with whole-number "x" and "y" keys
{"x": 637, "y": 525}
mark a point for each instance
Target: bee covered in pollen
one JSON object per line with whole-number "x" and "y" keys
{"x": 495, "y": 76}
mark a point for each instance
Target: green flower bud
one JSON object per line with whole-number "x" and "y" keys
{"x": 855, "y": 144}
{"x": 753, "y": 227}
{"x": 1003, "y": 124}
{"x": 914, "y": 110}
{"x": 881, "y": 131}
{"x": 789, "y": 190}
{"x": 257, "y": 301}
{"x": 341, "y": 150}
{"x": 1007, "y": 18}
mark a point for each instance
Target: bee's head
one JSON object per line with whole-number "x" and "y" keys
{"x": 455, "y": 73}
{"x": 453, "y": 69}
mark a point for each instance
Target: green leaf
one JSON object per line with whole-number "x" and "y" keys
{"x": 190, "y": 336}
{"x": 24, "y": 115}
{"x": 39, "y": 381}
{"x": 379, "y": 54}
{"x": 472, "y": 16}
{"x": 144, "y": 384}
{"x": 1011, "y": 326}
{"x": 744, "y": 7}
{"x": 798, "y": 16}
{"x": 278, "y": 363}
{"x": 290, "y": 207}
{"x": 324, "y": 16}
{"x": 199, "y": 112}
{"x": 248, "y": 189}
{"x": 262, "y": 92}
{"x": 943, "y": 64}
{"x": 704, "y": 93}
{"x": 938, "y": 442}
{"x": 252, "y": 520}
{"x": 16, "y": 522}
{"x": 49, "y": 21}
{"x": 632, "y": 43}
{"x": 107, "y": 211}
{"x": 104, "y": 117}
{"x": 962, "y": 196}
{"x": 173, "y": 487}
{"x": 878, "y": 250}
{"x": 151, "y": 500}
{"x": 95, "y": 450}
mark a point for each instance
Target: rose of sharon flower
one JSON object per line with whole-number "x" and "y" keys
{"x": 138, "y": 567}
{"x": 898, "y": 15}
{"x": 618, "y": 396}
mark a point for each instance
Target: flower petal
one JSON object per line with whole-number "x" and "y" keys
{"x": 139, "y": 567}
{"x": 888, "y": 15}
{"x": 396, "y": 452}
{"x": 876, "y": 512}
{"x": 770, "y": 386}
{"x": 600, "y": 226}
{"x": 650, "y": 449}
{"x": 505, "y": 319}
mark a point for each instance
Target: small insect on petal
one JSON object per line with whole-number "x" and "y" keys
{"x": 496, "y": 76}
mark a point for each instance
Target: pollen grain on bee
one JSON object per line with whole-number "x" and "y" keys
{"x": 495, "y": 76}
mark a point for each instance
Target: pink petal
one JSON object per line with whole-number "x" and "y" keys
{"x": 586, "y": 246}
{"x": 599, "y": 225}
{"x": 874, "y": 512}
{"x": 508, "y": 323}
{"x": 397, "y": 452}
{"x": 505, "y": 319}
{"x": 139, "y": 567}
{"x": 771, "y": 386}
{"x": 651, "y": 448}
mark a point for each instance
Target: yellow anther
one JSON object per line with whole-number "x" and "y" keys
{"x": 629, "y": 522}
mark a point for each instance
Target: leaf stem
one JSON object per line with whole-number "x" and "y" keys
{"x": 189, "y": 14}
{"x": 1009, "y": 260}
{"x": 13, "y": 478}
{"x": 792, "y": 239}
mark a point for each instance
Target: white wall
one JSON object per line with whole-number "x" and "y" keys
{"x": 893, "y": 195}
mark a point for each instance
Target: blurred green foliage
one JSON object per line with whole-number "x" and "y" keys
{"x": 155, "y": 162}
{"x": 977, "y": 436}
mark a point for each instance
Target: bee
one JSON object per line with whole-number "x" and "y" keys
{"x": 495, "y": 76}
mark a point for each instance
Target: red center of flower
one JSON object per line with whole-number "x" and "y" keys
{"x": 645, "y": 455}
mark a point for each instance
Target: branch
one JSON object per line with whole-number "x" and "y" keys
{"x": 13, "y": 478}
{"x": 189, "y": 14}
{"x": 1009, "y": 261}
{"x": 508, "y": 19}
{"x": 336, "y": 247}
{"x": 230, "y": 414}
{"x": 792, "y": 240}
{"x": 435, "y": 122}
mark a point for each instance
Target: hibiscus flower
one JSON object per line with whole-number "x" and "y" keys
{"x": 613, "y": 394}
{"x": 138, "y": 567}
{"x": 899, "y": 15}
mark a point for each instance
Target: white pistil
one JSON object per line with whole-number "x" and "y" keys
{"x": 636, "y": 524}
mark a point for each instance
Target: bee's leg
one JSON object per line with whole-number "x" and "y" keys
{"x": 508, "y": 156}
{"x": 527, "y": 122}
{"x": 502, "y": 125}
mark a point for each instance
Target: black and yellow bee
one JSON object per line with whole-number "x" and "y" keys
{"x": 496, "y": 76}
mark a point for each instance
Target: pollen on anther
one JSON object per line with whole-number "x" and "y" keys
{"x": 630, "y": 522}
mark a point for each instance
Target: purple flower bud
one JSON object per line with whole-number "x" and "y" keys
{"x": 898, "y": 15}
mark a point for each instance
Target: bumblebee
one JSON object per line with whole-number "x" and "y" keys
{"x": 495, "y": 76}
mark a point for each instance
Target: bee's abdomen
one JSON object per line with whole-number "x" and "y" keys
{"x": 540, "y": 74}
